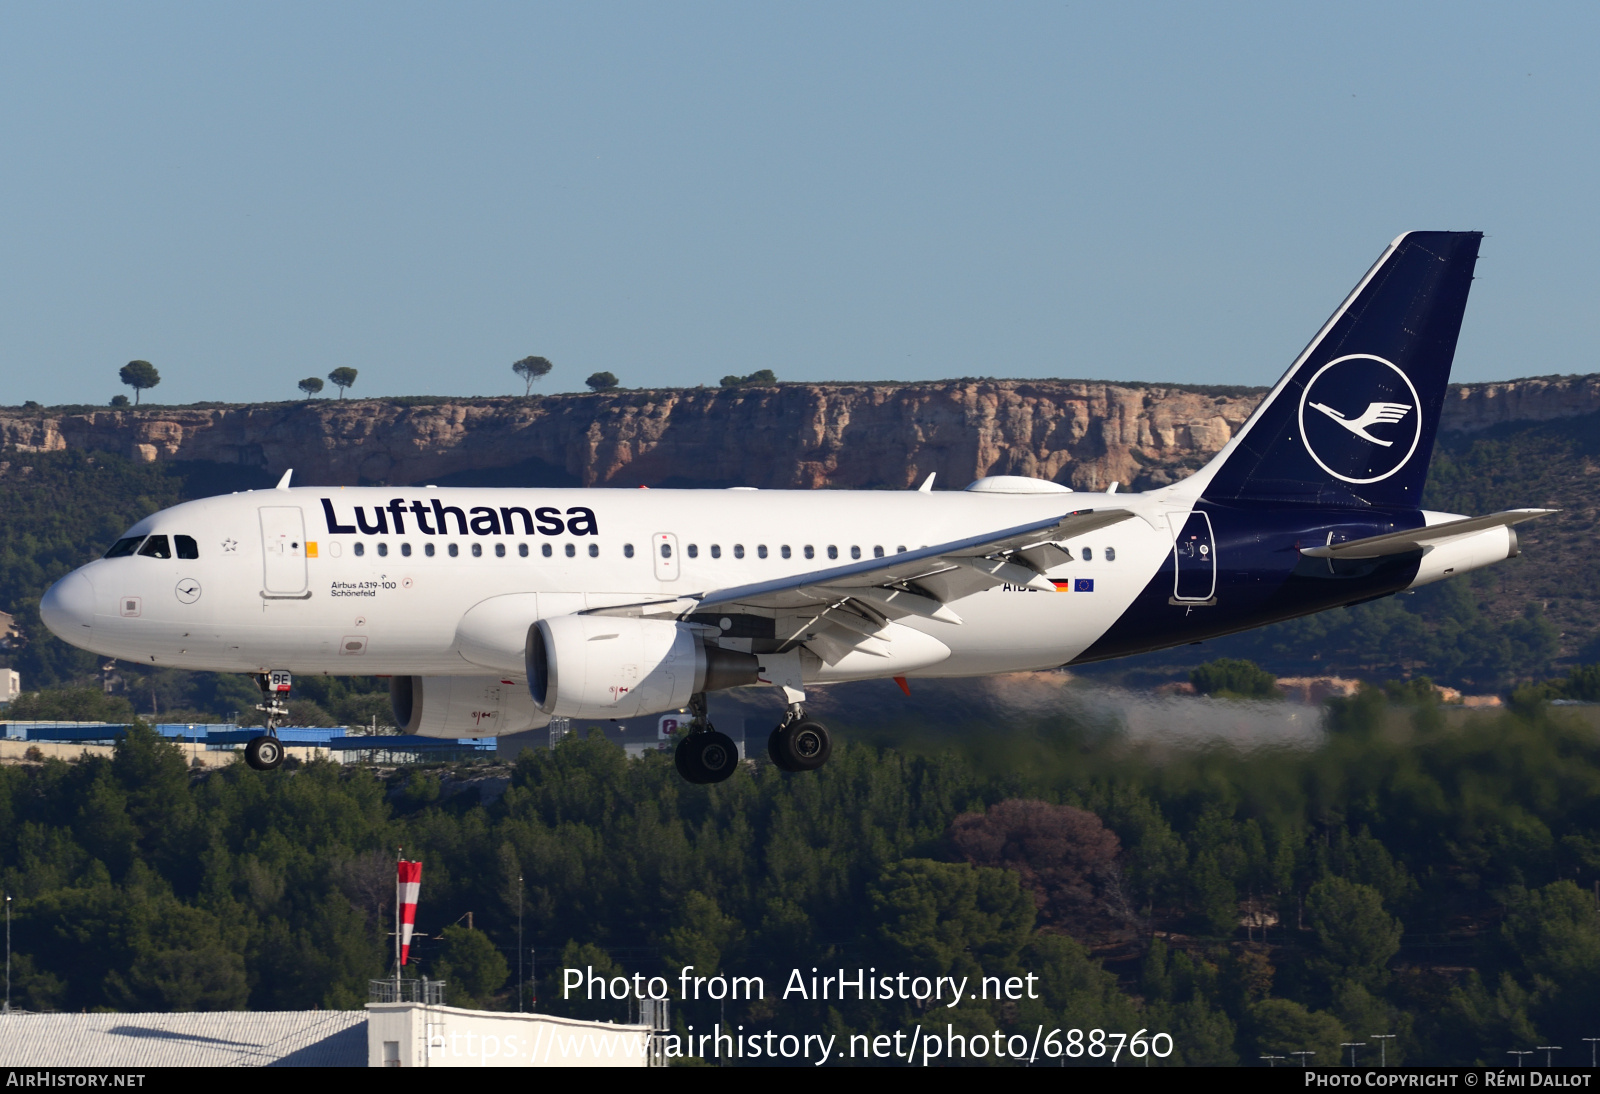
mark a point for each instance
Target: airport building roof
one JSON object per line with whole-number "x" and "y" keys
{"x": 291, "y": 1038}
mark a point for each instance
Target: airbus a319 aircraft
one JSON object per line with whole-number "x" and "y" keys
{"x": 493, "y": 611}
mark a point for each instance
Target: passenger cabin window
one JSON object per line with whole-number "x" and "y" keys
{"x": 383, "y": 550}
{"x": 522, "y": 549}
{"x": 694, "y": 550}
{"x": 784, "y": 550}
{"x": 627, "y": 550}
{"x": 544, "y": 549}
{"x": 1088, "y": 554}
{"x": 477, "y": 550}
{"x": 738, "y": 550}
{"x": 405, "y": 549}
{"x": 124, "y": 547}
{"x": 761, "y": 551}
{"x": 572, "y": 552}
{"x": 811, "y": 552}
{"x": 1111, "y": 554}
{"x": 877, "y": 552}
{"x": 360, "y": 548}
{"x": 833, "y": 552}
{"x": 594, "y": 550}
{"x": 156, "y": 547}
{"x": 454, "y": 550}
{"x": 716, "y": 550}
{"x": 855, "y": 552}
{"x": 427, "y": 549}
{"x": 499, "y": 550}
{"x": 900, "y": 550}
{"x": 666, "y": 550}
{"x": 187, "y": 547}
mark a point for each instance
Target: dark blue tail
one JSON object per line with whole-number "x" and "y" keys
{"x": 1353, "y": 421}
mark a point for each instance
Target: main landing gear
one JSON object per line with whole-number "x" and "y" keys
{"x": 266, "y": 753}
{"x": 704, "y": 755}
{"x": 799, "y": 744}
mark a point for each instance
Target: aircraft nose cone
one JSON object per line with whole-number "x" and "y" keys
{"x": 68, "y": 607}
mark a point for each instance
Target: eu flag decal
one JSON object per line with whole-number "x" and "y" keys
{"x": 1083, "y": 585}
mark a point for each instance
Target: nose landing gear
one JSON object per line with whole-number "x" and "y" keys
{"x": 704, "y": 755}
{"x": 799, "y": 744}
{"x": 266, "y": 753}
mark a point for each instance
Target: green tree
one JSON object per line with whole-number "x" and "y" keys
{"x": 342, "y": 378}
{"x": 70, "y": 704}
{"x": 1555, "y": 933}
{"x": 705, "y": 937}
{"x": 1356, "y": 935}
{"x": 119, "y": 400}
{"x": 311, "y": 385}
{"x": 764, "y": 377}
{"x": 1282, "y": 1026}
{"x": 1234, "y": 679}
{"x": 952, "y": 917}
{"x": 531, "y": 369}
{"x": 139, "y": 375}
{"x": 602, "y": 381}
{"x": 472, "y": 965}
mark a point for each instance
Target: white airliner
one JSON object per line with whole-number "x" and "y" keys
{"x": 494, "y": 610}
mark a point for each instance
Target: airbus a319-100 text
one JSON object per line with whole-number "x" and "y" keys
{"x": 495, "y": 610}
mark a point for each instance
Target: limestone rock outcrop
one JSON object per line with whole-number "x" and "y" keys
{"x": 1086, "y": 434}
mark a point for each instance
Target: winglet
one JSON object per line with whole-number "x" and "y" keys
{"x": 283, "y": 483}
{"x": 927, "y": 483}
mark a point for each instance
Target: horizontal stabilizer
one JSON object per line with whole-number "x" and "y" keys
{"x": 1418, "y": 539}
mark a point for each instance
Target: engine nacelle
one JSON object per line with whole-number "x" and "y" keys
{"x": 595, "y": 666}
{"x": 462, "y": 706}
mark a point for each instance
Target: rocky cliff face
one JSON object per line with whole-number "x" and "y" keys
{"x": 1085, "y": 434}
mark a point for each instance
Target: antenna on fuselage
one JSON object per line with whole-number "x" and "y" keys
{"x": 283, "y": 483}
{"x": 927, "y": 483}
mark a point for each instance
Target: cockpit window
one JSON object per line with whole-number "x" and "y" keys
{"x": 156, "y": 547}
{"x": 187, "y": 548}
{"x": 124, "y": 547}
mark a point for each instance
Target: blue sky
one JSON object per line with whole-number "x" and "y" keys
{"x": 249, "y": 194}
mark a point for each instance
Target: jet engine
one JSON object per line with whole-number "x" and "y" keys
{"x": 462, "y": 706}
{"x": 595, "y": 666}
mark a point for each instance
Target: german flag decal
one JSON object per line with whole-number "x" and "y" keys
{"x": 1061, "y": 586}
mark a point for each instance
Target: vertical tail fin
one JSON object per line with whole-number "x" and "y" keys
{"x": 1353, "y": 420}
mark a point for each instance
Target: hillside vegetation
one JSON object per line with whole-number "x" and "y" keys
{"x": 1410, "y": 876}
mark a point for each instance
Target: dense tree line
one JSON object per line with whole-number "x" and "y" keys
{"x": 1414, "y": 873}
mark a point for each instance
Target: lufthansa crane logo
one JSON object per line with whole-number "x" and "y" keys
{"x": 1365, "y": 419}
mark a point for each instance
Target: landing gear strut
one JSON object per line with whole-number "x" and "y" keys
{"x": 266, "y": 753}
{"x": 799, "y": 744}
{"x": 704, "y": 755}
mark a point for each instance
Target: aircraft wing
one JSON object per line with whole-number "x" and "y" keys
{"x": 1400, "y": 543}
{"x": 861, "y": 599}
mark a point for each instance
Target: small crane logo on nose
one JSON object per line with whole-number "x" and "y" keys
{"x": 188, "y": 591}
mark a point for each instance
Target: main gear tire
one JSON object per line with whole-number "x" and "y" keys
{"x": 264, "y": 753}
{"x": 800, "y": 746}
{"x": 706, "y": 757}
